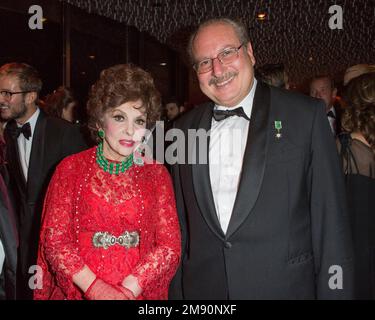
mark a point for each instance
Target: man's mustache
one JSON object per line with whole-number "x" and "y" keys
{"x": 225, "y": 77}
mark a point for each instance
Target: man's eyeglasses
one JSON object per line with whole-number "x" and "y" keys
{"x": 9, "y": 94}
{"x": 225, "y": 57}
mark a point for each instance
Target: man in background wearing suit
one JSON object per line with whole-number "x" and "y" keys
{"x": 35, "y": 145}
{"x": 323, "y": 87}
{"x": 268, "y": 221}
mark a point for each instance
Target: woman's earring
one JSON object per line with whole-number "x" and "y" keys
{"x": 139, "y": 152}
{"x": 141, "y": 148}
{"x": 101, "y": 133}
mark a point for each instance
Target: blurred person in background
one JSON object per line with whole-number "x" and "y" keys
{"x": 357, "y": 150}
{"x": 274, "y": 75}
{"x": 8, "y": 233}
{"x": 357, "y": 70}
{"x": 323, "y": 87}
{"x": 173, "y": 109}
{"x": 62, "y": 104}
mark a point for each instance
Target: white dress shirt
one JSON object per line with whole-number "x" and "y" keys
{"x": 2, "y": 257}
{"x": 24, "y": 145}
{"x": 332, "y": 121}
{"x": 227, "y": 146}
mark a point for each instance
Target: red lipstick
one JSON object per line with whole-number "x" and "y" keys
{"x": 127, "y": 143}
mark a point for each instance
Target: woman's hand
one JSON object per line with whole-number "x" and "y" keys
{"x": 129, "y": 294}
{"x": 130, "y": 283}
{"x": 84, "y": 278}
{"x": 101, "y": 290}
{"x": 97, "y": 289}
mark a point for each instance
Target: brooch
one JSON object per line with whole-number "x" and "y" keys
{"x": 278, "y": 127}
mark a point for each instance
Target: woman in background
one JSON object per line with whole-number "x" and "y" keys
{"x": 61, "y": 104}
{"x": 357, "y": 150}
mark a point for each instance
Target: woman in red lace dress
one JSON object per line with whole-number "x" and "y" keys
{"x": 109, "y": 228}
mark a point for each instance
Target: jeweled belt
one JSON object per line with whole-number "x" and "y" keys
{"x": 105, "y": 239}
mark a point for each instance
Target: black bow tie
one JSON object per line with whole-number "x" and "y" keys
{"x": 25, "y": 130}
{"x": 330, "y": 114}
{"x": 223, "y": 114}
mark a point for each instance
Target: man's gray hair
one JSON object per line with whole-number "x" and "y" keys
{"x": 239, "y": 28}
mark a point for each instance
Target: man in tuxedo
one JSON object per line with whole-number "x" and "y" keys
{"x": 265, "y": 216}
{"x": 323, "y": 87}
{"x": 35, "y": 145}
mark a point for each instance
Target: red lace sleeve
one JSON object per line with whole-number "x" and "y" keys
{"x": 57, "y": 240}
{"x": 156, "y": 269}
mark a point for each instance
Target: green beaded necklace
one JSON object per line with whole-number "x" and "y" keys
{"x": 110, "y": 167}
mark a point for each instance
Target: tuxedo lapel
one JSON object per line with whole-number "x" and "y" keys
{"x": 254, "y": 159}
{"x": 36, "y": 158}
{"x": 201, "y": 177}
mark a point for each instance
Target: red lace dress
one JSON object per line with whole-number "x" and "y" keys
{"x": 82, "y": 200}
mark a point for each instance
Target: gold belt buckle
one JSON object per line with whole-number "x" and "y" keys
{"x": 105, "y": 240}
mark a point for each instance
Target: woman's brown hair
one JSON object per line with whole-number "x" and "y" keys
{"x": 359, "y": 115}
{"x": 120, "y": 84}
{"x": 58, "y": 100}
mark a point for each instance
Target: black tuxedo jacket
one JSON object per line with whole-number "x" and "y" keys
{"x": 338, "y": 111}
{"x": 289, "y": 224}
{"x": 53, "y": 140}
{"x": 8, "y": 236}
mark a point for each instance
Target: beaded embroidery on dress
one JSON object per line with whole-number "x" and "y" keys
{"x": 83, "y": 200}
